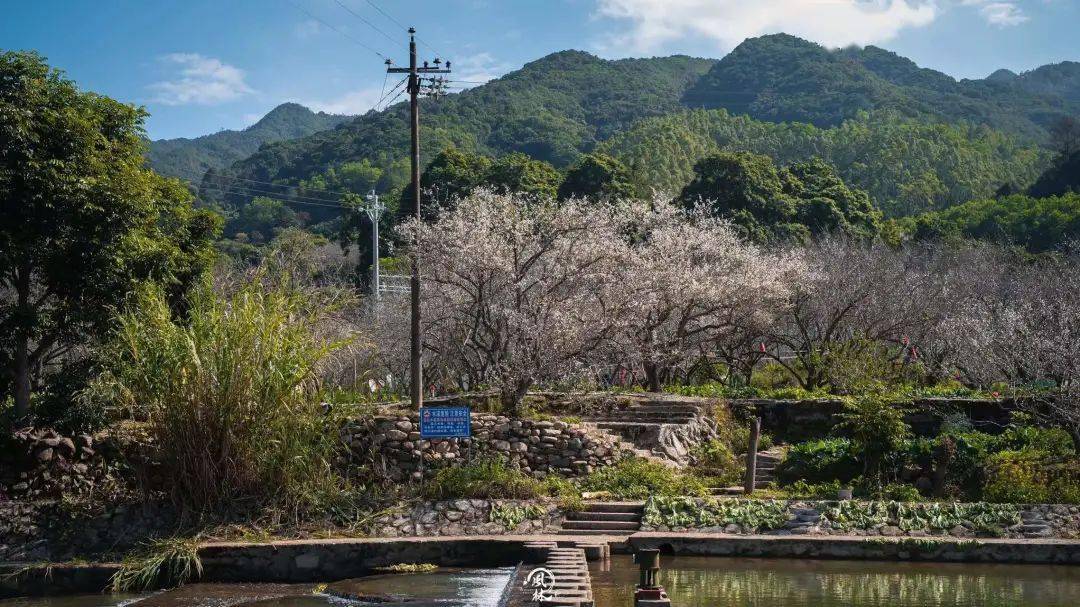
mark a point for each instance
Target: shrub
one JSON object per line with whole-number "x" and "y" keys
{"x": 231, "y": 394}
{"x": 877, "y": 430}
{"x": 567, "y": 491}
{"x": 638, "y": 478}
{"x": 490, "y": 478}
{"x": 1026, "y": 477}
{"x": 804, "y": 490}
{"x": 819, "y": 461}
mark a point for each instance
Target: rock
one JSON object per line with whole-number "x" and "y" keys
{"x": 500, "y": 445}
{"x": 396, "y": 435}
{"x": 44, "y": 455}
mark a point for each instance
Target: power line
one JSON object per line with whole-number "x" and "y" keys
{"x": 248, "y": 190}
{"x": 400, "y": 24}
{"x": 390, "y": 92}
{"x": 354, "y": 40}
{"x": 267, "y": 183}
{"x": 290, "y": 200}
{"x": 360, "y": 17}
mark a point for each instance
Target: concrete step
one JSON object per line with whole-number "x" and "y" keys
{"x": 604, "y": 516}
{"x": 635, "y": 507}
{"x": 603, "y": 525}
{"x": 584, "y": 532}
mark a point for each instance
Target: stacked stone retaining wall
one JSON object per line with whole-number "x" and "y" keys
{"x": 391, "y": 444}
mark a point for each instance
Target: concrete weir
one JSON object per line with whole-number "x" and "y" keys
{"x": 293, "y": 561}
{"x": 571, "y": 585}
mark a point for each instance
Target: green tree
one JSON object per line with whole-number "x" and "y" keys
{"x": 261, "y": 219}
{"x": 770, "y": 204}
{"x": 82, "y": 222}
{"x": 516, "y": 172}
{"x": 745, "y": 188}
{"x": 599, "y": 176}
{"x": 826, "y": 203}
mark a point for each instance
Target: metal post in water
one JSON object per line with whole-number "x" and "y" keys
{"x": 649, "y": 592}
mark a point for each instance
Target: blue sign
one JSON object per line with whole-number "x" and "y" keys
{"x": 445, "y": 422}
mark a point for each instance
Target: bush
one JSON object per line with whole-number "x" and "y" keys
{"x": 231, "y": 394}
{"x": 819, "y": 461}
{"x": 1032, "y": 477}
{"x": 489, "y": 478}
{"x": 637, "y": 478}
{"x": 801, "y": 489}
{"x": 877, "y": 431}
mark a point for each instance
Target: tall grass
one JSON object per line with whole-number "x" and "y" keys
{"x": 231, "y": 393}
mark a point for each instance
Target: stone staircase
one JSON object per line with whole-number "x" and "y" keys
{"x": 604, "y": 518}
{"x": 765, "y": 472}
{"x": 660, "y": 427}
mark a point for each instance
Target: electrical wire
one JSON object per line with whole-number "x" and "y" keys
{"x": 401, "y": 25}
{"x": 347, "y": 36}
{"x": 258, "y": 191}
{"x": 281, "y": 198}
{"x": 390, "y": 92}
{"x": 369, "y": 24}
{"x": 194, "y": 174}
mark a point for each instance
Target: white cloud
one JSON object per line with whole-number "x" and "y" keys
{"x": 832, "y": 23}
{"x": 201, "y": 81}
{"x": 1001, "y": 14}
{"x": 352, "y": 102}
{"x": 479, "y": 67}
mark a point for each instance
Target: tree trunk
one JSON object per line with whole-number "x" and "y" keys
{"x": 751, "y": 456}
{"x": 652, "y": 376}
{"x": 1074, "y": 433}
{"x": 22, "y": 347}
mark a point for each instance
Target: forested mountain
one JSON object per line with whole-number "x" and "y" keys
{"x": 784, "y": 78}
{"x": 917, "y": 140}
{"x": 190, "y": 158}
{"x": 907, "y": 166}
{"x": 551, "y": 109}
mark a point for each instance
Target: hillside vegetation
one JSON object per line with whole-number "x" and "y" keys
{"x": 190, "y": 158}
{"x": 917, "y": 140}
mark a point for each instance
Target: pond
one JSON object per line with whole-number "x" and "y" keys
{"x": 739, "y": 582}
{"x": 444, "y": 588}
{"x": 690, "y": 581}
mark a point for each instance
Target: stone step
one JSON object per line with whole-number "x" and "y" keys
{"x": 609, "y": 525}
{"x": 628, "y": 425}
{"x": 635, "y": 507}
{"x": 596, "y": 532}
{"x": 604, "y": 516}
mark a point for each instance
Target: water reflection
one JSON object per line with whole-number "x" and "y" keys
{"x": 444, "y": 588}
{"x": 703, "y": 581}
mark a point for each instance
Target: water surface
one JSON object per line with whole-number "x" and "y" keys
{"x": 741, "y": 582}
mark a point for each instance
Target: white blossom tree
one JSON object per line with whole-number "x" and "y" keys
{"x": 518, "y": 290}
{"x": 692, "y": 283}
{"x": 1022, "y": 326}
{"x": 850, "y": 296}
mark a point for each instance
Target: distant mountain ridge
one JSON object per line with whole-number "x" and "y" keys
{"x": 781, "y": 78}
{"x": 572, "y": 102}
{"x": 190, "y": 158}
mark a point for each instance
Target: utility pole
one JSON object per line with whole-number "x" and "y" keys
{"x": 374, "y": 210}
{"x": 414, "y": 87}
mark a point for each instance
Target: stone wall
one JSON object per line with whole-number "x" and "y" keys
{"x": 391, "y": 444}
{"x": 51, "y": 530}
{"x": 468, "y": 517}
{"x": 799, "y": 420}
{"x": 810, "y": 517}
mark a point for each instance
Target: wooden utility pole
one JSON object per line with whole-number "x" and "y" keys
{"x": 414, "y": 87}
{"x": 751, "y": 456}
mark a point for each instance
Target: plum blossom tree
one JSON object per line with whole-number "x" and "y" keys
{"x": 1023, "y": 326}
{"x": 520, "y": 289}
{"x": 693, "y": 283}
{"x": 849, "y": 297}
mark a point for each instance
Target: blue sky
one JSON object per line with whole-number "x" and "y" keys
{"x": 203, "y": 65}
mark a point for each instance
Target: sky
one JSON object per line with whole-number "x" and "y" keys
{"x": 200, "y": 66}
